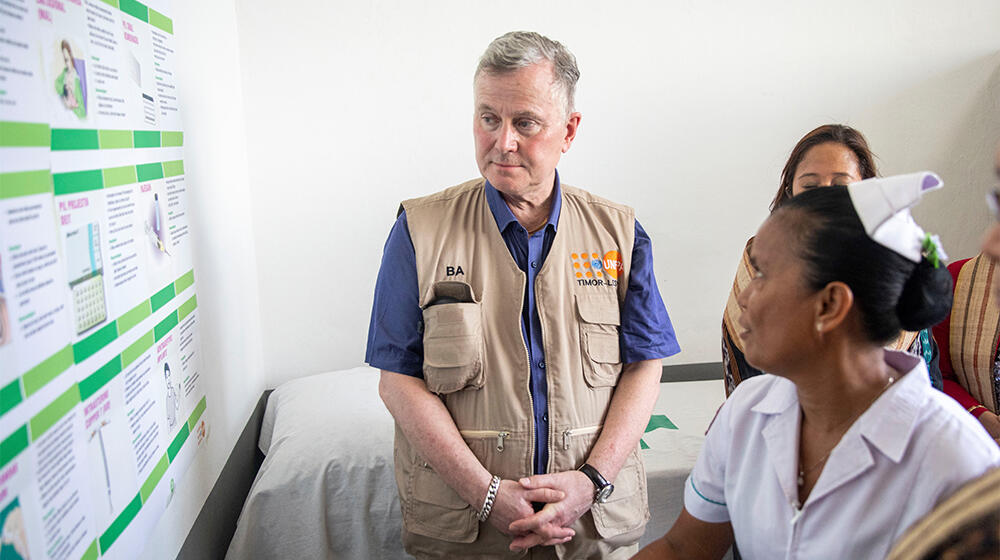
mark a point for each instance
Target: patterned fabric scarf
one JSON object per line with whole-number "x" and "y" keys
{"x": 975, "y": 329}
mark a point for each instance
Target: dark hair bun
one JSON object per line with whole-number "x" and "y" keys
{"x": 926, "y": 297}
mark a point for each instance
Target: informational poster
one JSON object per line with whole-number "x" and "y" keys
{"x": 101, "y": 400}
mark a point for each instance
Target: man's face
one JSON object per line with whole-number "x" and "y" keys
{"x": 521, "y": 130}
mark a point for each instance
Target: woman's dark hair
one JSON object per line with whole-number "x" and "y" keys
{"x": 836, "y": 133}
{"x": 890, "y": 291}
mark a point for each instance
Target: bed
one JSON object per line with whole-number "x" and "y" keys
{"x": 326, "y": 487}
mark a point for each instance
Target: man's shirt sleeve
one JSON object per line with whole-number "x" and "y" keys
{"x": 646, "y": 331}
{"x": 394, "y": 339}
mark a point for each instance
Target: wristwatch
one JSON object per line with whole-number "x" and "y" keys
{"x": 603, "y": 487}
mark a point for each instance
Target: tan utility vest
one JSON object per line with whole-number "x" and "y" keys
{"x": 476, "y": 360}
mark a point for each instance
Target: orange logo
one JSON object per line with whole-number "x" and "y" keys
{"x": 613, "y": 264}
{"x": 589, "y": 264}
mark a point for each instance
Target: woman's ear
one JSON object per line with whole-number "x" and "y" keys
{"x": 833, "y": 304}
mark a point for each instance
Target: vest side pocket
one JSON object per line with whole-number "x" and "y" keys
{"x": 621, "y": 520}
{"x": 436, "y": 511}
{"x": 453, "y": 347}
{"x": 600, "y": 339}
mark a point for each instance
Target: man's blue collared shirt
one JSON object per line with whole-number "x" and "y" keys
{"x": 395, "y": 344}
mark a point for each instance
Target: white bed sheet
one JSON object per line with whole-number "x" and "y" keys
{"x": 327, "y": 490}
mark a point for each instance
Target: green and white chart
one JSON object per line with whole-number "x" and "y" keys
{"x": 101, "y": 401}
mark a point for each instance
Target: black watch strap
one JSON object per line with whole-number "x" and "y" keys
{"x": 594, "y": 476}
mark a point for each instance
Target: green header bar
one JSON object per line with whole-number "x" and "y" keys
{"x": 133, "y": 317}
{"x": 149, "y": 172}
{"x": 175, "y": 446}
{"x": 10, "y": 396}
{"x": 171, "y": 139}
{"x": 90, "y": 345}
{"x": 138, "y": 11}
{"x": 74, "y": 139}
{"x": 184, "y": 282}
{"x": 137, "y": 349}
{"x": 187, "y": 307}
{"x": 154, "y": 477}
{"x": 161, "y": 297}
{"x": 196, "y": 415}
{"x": 147, "y": 138}
{"x": 165, "y": 325}
{"x": 118, "y": 176}
{"x": 40, "y": 375}
{"x": 77, "y": 181}
{"x": 62, "y": 139}
{"x": 159, "y": 20}
{"x": 13, "y": 445}
{"x": 25, "y": 183}
{"x": 51, "y": 414}
{"x": 112, "y": 3}
{"x": 114, "y": 139}
{"x": 121, "y": 522}
{"x": 23, "y": 134}
{"x": 173, "y": 168}
{"x": 100, "y": 378}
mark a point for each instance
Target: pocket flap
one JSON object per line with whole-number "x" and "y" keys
{"x": 599, "y": 309}
{"x": 603, "y": 347}
{"x": 451, "y": 352}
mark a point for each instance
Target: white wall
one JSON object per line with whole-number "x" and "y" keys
{"x": 215, "y": 161}
{"x": 690, "y": 109}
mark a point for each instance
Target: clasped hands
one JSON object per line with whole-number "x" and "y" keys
{"x": 566, "y": 495}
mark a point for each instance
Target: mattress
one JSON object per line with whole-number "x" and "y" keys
{"x": 326, "y": 488}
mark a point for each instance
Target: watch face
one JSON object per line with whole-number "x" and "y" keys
{"x": 604, "y": 493}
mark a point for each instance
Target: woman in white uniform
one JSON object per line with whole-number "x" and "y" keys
{"x": 846, "y": 444}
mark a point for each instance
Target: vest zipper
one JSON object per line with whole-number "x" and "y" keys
{"x": 573, "y": 432}
{"x": 484, "y": 434}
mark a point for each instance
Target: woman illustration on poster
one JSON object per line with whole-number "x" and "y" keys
{"x": 68, "y": 84}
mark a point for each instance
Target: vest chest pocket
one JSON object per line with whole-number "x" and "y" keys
{"x": 453, "y": 347}
{"x": 600, "y": 339}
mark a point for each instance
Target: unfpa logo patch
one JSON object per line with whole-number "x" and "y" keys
{"x": 593, "y": 269}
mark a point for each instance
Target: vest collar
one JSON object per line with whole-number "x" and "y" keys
{"x": 504, "y": 217}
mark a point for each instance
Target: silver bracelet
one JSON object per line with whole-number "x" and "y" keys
{"x": 491, "y": 494}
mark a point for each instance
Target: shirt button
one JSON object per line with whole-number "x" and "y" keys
{"x": 545, "y": 417}
{"x": 534, "y": 264}
{"x": 541, "y": 364}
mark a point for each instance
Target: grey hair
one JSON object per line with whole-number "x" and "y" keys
{"x": 518, "y": 49}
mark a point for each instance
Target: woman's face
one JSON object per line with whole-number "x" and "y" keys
{"x": 67, "y": 59}
{"x": 826, "y": 164}
{"x": 778, "y": 308}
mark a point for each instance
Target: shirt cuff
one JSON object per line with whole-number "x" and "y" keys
{"x": 631, "y": 355}
{"x": 397, "y": 367}
{"x": 710, "y": 509}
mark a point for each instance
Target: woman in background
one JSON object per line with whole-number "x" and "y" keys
{"x": 847, "y": 444}
{"x": 832, "y": 154}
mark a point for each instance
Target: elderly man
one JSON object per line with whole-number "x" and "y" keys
{"x": 519, "y": 331}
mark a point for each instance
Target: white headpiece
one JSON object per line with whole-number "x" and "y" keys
{"x": 883, "y": 204}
